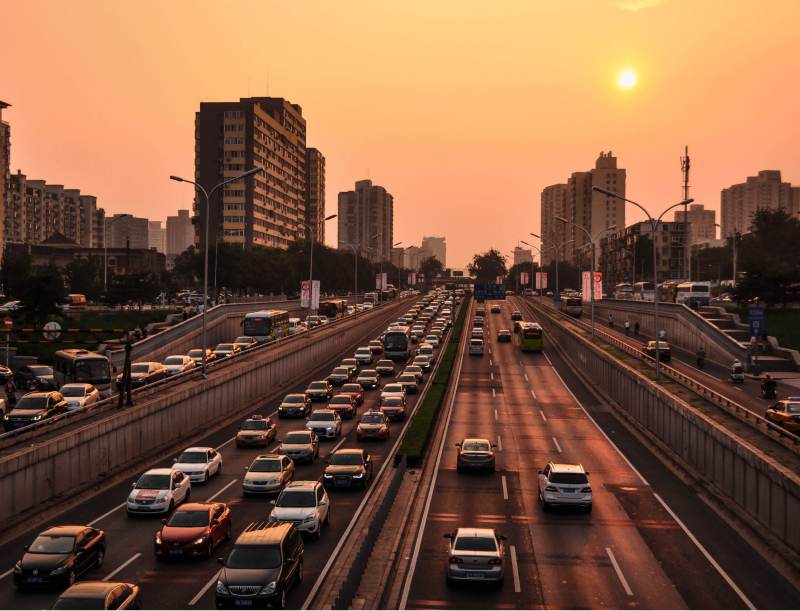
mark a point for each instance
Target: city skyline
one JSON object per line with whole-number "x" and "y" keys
{"x": 372, "y": 128}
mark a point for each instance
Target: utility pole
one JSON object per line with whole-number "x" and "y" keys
{"x": 687, "y": 259}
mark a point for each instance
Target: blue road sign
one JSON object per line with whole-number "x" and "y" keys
{"x": 755, "y": 316}
{"x": 488, "y": 290}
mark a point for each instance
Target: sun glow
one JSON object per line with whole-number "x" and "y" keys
{"x": 627, "y": 79}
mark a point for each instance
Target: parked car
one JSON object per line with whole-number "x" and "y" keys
{"x": 195, "y": 529}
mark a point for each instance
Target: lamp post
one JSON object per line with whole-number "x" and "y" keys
{"x": 311, "y": 261}
{"x": 355, "y": 289}
{"x": 207, "y": 195}
{"x": 540, "y": 265}
{"x": 654, "y": 222}
{"x": 105, "y": 249}
{"x": 734, "y": 238}
{"x": 395, "y": 245}
{"x": 557, "y": 248}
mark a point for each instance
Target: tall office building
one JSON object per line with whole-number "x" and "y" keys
{"x": 5, "y": 170}
{"x": 366, "y": 220}
{"x": 436, "y": 247}
{"x": 764, "y": 191}
{"x": 553, "y": 232}
{"x": 701, "y": 223}
{"x": 413, "y": 256}
{"x": 157, "y": 236}
{"x": 99, "y": 228}
{"x": 126, "y": 231}
{"x": 315, "y": 194}
{"x": 522, "y": 255}
{"x": 232, "y": 137}
{"x": 180, "y": 233}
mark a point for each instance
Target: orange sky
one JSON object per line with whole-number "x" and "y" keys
{"x": 464, "y": 110}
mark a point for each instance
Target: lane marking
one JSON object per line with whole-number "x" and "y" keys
{"x": 541, "y": 413}
{"x": 558, "y": 447}
{"x": 494, "y": 394}
{"x": 526, "y": 377}
{"x": 504, "y": 482}
{"x": 221, "y": 490}
{"x": 533, "y": 394}
{"x": 7, "y": 573}
{"x": 499, "y": 443}
{"x": 204, "y": 589}
{"x": 495, "y": 415}
{"x": 336, "y": 447}
{"x": 619, "y": 573}
{"x": 490, "y": 362}
{"x": 491, "y": 375}
{"x": 122, "y": 566}
{"x": 515, "y": 569}
{"x": 106, "y": 514}
{"x": 222, "y": 445}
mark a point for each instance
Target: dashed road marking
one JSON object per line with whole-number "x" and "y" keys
{"x": 541, "y": 413}
{"x": 495, "y": 415}
{"x": 499, "y": 443}
{"x": 221, "y": 490}
{"x": 105, "y": 515}
{"x": 504, "y": 483}
{"x": 533, "y": 394}
{"x": 526, "y": 377}
{"x": 558, "y": 447}
{"x": 619, "y": 573}
{"x": 494, "y": 394}
{"x": 204, "y": 589}
{"x": 491, "y": 375}
{"x": 122, "y": 566}
{"x": 515, "y": 568}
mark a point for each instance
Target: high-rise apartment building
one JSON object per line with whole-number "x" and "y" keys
{"x": 232, "y": 137}
{"x": 701, "y": 223}
{"x": 413, "y": 256}
{"x": 617, "y": 258}
{"x": 126, "y": 231}
{"x": 180, "y": 233}
{"x": 436, "y": 247}
{"x": 5, "y": 170}
{"x": 366, "y": 220}
{"x": 99, "y": 228}
{"x": 553, "y": 232}
{"x": 764, "y": 191}
{"x": 522, "y": 255}
{"x": 315, "y": 194}
{"x": 157, "y": 236}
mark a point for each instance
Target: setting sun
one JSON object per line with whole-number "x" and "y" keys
{"x": 627, "y": 79}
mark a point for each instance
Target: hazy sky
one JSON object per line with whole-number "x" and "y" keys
{"x": 464, "y": 110}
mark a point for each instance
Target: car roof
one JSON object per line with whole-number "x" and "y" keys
{"x": 323, "y": 411}
{"x": 198, "y": 449}
{"x": 76, "y": 385}
{"x": 162, "y": 471}
{"x": 266, "y": 533}
{"x": 195, "y": 507}
{"x": 476, "y": 440}
{"x": 85, "y": 589}
{"x": 567, "y": 468}
{"x": 301, "y": 485}
{"x": 266, "y": 457}
{"x": 67, "y": 529}
{"x": 357, "y": 451}
{"x": 295, "y": 394}
{"x": 487, "y": 533}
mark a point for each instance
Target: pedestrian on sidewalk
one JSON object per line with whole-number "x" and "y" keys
{"x": 627, "y": 327}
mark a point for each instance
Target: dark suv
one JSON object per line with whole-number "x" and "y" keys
{"x": 266, "y": 560}
{"x": 35, "y": 407}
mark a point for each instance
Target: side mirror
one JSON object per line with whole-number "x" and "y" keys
{"x": 174, "y": 460}
{"x": 221, "y": 561}
{"x": 246, "y": 469}
{"x": 133, "y": 484}
{"x": 501, "y": 538}
{"x": 164, "y": 521}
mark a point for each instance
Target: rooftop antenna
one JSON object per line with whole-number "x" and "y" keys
{"x": 685, "y": 163}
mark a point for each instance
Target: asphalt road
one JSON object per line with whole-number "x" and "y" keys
{"x": 630, "y": 552}
{"x": 190, "y": 584}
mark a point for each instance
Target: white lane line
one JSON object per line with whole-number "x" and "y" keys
{"x": 222, "y": 445}
{"x": 515, "y": 568}
{"x": 122, "y": 566}
{"x": 533, "y": 394}
{"x": 526, "y": 377}
{"x": 499, "y": 443}
{"x": 491, "y": 375}
{"x": 521, "y": 364}
{"x": 494, "y": 394}
{"x": 619, "y": 573}
{"x": 221, "y": 490}
{"x": 275, "y": 449}
{"x": 490, "y": 362}
{"x": 558, "y": 447}
{"x": 106, "y": 514}
{"x": 204, "y": 589}
{"x": 336, "y": 447}
{"x": 739, "y": 389}
{"x": 6, "y": 574}
{"x": 541, "y": 413}
{"x": 504, "y": 482}
{"x": 495, "y": 415}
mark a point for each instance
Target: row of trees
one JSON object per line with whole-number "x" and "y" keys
{"x": 490, "y": 265}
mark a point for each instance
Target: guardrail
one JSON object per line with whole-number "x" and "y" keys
{"x": 739, "y": 411}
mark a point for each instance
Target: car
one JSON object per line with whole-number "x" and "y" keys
{"x": 313, "y": 321}
{"x": 423, "y": 361}
{"x": 476, "y": 347}
{"x": 79, "y": 394}
{"x": 495, "y": 309}
{"x": 300, "y": 446}
{"x": 394, "y": 407}
{"x": 143, "y": 373}
{"x": 158, "y": 491}
{"x": 352, "y": 364}
{"x": 785, "y": 413}
{"x": 295, "y": 404}
{"x": 363, "y": 356}
{"x": 432, "y": 339}
{"x": 59, "y": 555}
{"x": 385, "y": 367}
{"x": 194, "y": 529}
{"x": 305, "y": 504}
{"x": 325, "y": 423}
{"x": 376, "y": 346}
{"x": 200, "y": 463}
{"x": 10, "y": 306}
{"x": 475, "y": 454}
{"x": 344, "y": 405}
{"x": 564, "y": 484}
{"x": 320, "y": 390}
{"x": 480, "y": 312}
{"x": 664, "y": 352}
{"x": 340, "y": 375}
{"x": 35, "y": 377}
{"x": 476, "y": 333}
{"x": 416, "y": 370}
{"x": 428, "y": 351}
{"x": 347, "y": 468}
{"x": 373, "y": 425}
{"x": 5, "y": 373}
{"x": 256, "y": 431}
{"x": 503, "y": 336}
{"x": 34, "y": 407}
{"x": 99, "y": 595}
{"x": 369, "y": 379}
{"x": 245, "y": 342}
{"x": 226, "y": 350}
{"x": 266, "y": 561}
{"x": 395, "y": 388}
{"x": 355, "y": 391}
{"x": 409, "y": 382}
{"x": 268, "y": 473}
{"x": 196, "y": 354}
{"x": 475, "y": 554}
{"x": 178, "y": 363}
{"x": 516, "y": 315}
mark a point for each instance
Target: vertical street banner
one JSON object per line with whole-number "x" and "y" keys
{"x": 541, "y": 280}
{"x": 412, "y": 278}
{"x": 586, "y": 286}
{"x": 755, "y": 318}
{"x": 305, "y": 294}
{"x": 598, "y": 286}
{"x": 315, "y": 295}
{"x": 523, "y": 278}
{"x": 381, "y": 281}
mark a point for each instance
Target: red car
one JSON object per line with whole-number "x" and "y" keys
{"x": 345, "y": 404}
{"x": 194, "y": 529}
{"x": 355, "y": 391}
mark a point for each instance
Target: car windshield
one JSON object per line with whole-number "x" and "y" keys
{"x": 52, "y": 544}
{"x": 297, "y": 438}
{"x": 92, "y": 370}
{"x": 386, "y": 363}
{"x": 140, "y": 368}
{"x": 254, "y": 557}
{"x": 341, "y": 371}
{"x": 196, "y": 354}
{"x": 243, "y": 340}
{"x": 414, "y": 369}
{"x": 793, "y": 408}
{"x": 294, "y": 399}
{"x": 475, "y": 544}
{"x": 188, "y": 518}
{"x": 475, "y": 446}
{"x": 363, "y": 351}
{"x": 393, "y": 402}
{"x": 318, "y": 386}
{"x": 322, "y": 417}
{"x": 73, "y": 391}
{"x": 346, "y": 458}
{"x": 266, "y": 465}
{"x": 389, "y": 388}
{"x": 192, "y": 457}
{"x": 340, "y": 400}
{"x": 349, "y": 362}
{"x": 174, "y": 360}
{"x": 296, "y": 498}
{"x": 425, "y": 351}
{"x": 151, "y": 481}
{"x": 351, "y": 388}
{"x": 368, "y": 373}
{"x": 568, "y": 478}
{"x": 31, "y": 403}
{"x": 40, "y": 370}
{"x": 372, "y": 419}
{"x": 407, "y": 377}
{"x": 254, "y": 425}
{"x": 75, "y": 602}
{"x": 226, "y": 347}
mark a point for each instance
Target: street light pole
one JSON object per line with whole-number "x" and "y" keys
{"x": 541, "y": 262}
{"x": 105, "y": 250}
{"x": 311, "y": 262}
{"x": 395, "y": 245}
{"x": 207, "y": 195}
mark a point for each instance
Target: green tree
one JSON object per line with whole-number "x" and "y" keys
{"x": 15, "y": 271}
{"x": 488, "y": 266}
{"x": 42, "y": 294}
{"x": 83, "y": 276}
{"x": 431, "y": 267}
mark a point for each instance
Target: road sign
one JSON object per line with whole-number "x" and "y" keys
{"x": 755, "y": 316}
{"x": 8, "y": 322}
{"x": 52, "y": 331}
{"x": 487, "y": 290}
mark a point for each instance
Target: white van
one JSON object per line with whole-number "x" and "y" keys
{"x": 476, "y": 347}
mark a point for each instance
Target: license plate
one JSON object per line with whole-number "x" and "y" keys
{"x": 246, "y": 602}
{"x": 474, "y": 574}
{"x": 176, "y": 552}
{"x": 340, "y": 481}
{"x": 34, "y": 580}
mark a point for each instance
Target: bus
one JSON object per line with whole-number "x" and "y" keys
{"x": 78, "y": 365}
{"x": 397, "y": 343}
{"x": 644, "y": 291}
{"x": 333, "y": 308}
{"x": 572, "y": 306}
{"x": 693, "y": 294}
{"x": 624, "y": 290}
{"x": 266, "y": 325}
{"x": 531, "y": 337}
{"x": 371, "y": 298}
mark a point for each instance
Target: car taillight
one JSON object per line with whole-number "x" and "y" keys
{"x": 587, "y": 489}
{"x": 456, "y": 560}
{"x": 551, "y": 489}
{"x": 496, "y": 561}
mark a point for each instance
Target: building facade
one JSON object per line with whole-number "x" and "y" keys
{"x": 413, "y": 256}
{"x": 180, "y": 233}
{"x": 553, "y": 232}
{"x": 366, "y": 217}
{"x": 157, "y": 236}
{"x": 5, "y": 171}
{"x": 127, "y": 231}
{"x": 701, "y": 224}
{"x": 436, "y": 247}
{"x": 522, "y": 255}
{"x": 315, "y": 194}
{"x": 617, "y": 257}
{"x": 99, "y": 228}
{"x": 765, "y": 191}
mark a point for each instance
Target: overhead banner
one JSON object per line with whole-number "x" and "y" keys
{"x": 499, "y": 280}
{"x": 541, "y": 280}
{"x": 313, "y": 303}
{"x": 524, "y": 278}
{"x": 380, "y": 281}
{"x": 586, "y": 287}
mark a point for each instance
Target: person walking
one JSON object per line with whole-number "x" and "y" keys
{"x": 627, "y": 327}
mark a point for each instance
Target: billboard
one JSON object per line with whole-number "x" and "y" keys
{"x": 524, "y": 278}
{"x": 487, "y": 290}
{"x": 586, "y": 287}
{"x": 304, "y": 295}
{"x": 541, "y": 280}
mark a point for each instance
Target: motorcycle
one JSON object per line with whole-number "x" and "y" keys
{"x": 737, "y": 374}
{"x": 769, "y": 390}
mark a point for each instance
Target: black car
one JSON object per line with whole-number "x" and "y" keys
{"x": 35, "y": 377}
{"x": 266, "y": 560}
{"x": 59, "y": 555}
{"x": 348, "y": 468}
{"x": 35, "y": 407}
{"x": 664, "y": 352}
{"x": 340, "y": 375}
{"x": 99, "y": 595}
{"x": 504, "y": 335}
{"x": 145, "y": 373}
{"x": 516, "y": 315}
{"x": 320, "y": 390}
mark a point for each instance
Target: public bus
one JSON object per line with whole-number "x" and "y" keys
{"x": 531, "y": 337}
{"x": 266, "y": 325}
{"x": 644, "y": 291}
{"x": 333, "y": 308}
{"x": 668, "y": 290}
{"x": 78, "y": 365}
{"x": 624, "y": 290}
{"x": 693, "y": 294}
{"x": 397, "y": 343}
{"x": 572, "y": 306}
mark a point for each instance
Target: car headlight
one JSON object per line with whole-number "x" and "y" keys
{"x": 39, "y": 417}
{"x": 158, "y": 538}
{"x": 269, "y": 588}
{"x": 329, "y": 428}
{"x": 6, "y": 417}
{"x": 60, "y": 570}
{"x": 358, "y": 476}
{"x": 310, "y": 519}
{"x": 221, "y": 588}
{"x": 327, "y": 476}
{"x": 199, "y": 541}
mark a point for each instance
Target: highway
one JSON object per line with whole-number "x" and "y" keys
{"x": 650, "y": 542}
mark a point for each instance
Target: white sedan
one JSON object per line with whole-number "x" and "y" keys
{"x": 178, "y": 363}
{"x": 199, "y": 463}
{"x": 158, "y": 491}
{"x": 78, "y": 394}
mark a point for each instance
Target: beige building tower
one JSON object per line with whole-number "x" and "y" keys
{"x": 766, "y": 190}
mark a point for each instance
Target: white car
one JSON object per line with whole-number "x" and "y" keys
{"x": 200, "y": 464}
{"x": 395, "y": 388}
{"x": 475, "y": 554}
{"x": 325, "y": 423}
{"x": 158, "y": 491}
{"x": 476, "y": 347}
{"x": 564, "y": 484}
{"x": 79, "y": 394}
{"x": 267, "y": 473}
{"x": 363, "y": 356}
{"x": 178, "y": 363}
{"x": 476, "y": 333}
{"x": 305, "y": 504}
{"x": 432, "y": 339}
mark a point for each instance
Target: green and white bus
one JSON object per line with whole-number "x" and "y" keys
{"x": 531, "y": 337}
{"x": 266, "y": 325}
